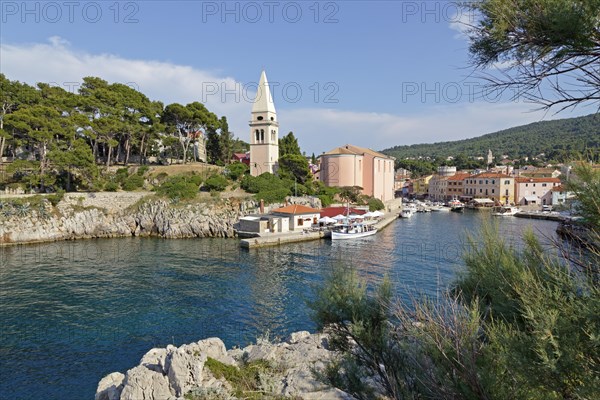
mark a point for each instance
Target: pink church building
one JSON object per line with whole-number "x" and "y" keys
{"x": 357, "y": 166}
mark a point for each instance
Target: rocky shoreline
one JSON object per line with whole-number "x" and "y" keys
{"x": 108, "y": 215}
{"x": 188, "y": 372}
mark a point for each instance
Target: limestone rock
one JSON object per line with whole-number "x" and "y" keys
{"x": 143, "y": 383}
{"x": 155, "y": 360}
{"x": 110, "y": 387}
{"x": 184, "y": 368}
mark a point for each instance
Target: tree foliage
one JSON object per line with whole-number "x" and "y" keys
{"x": 560, "y": 140}
{"x": 547, "y": 51}
{"x": 67, "y": 135}
{"x": 520, "y": 324}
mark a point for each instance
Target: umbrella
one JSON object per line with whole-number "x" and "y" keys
{"x": 354, "y": 216}
{"x": 339, "y": 217}
{"x": 378, "y": 213}
{"x": 327, "y": 220}
{"x": 368, "y": 215}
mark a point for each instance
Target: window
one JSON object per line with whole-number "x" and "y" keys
{"x": 262, "y": 135}
{"x": 260, "y": 118}
{"x": 534, "y": 185}
{"x": 493, "y": 181}
{"x": 543, "y": 185}
{"x": 257, "y": 135}
{"x": 486, "y": 181}
{"x": 506, "y": 192}
{"x": 533, "y": 192}
{"x": 492, "y": 190}
{"x": 480, "y": 182}
{"x": 507, "y": 182}
{"x": 527, "y": 185}
{"x": 480, "y": 190}
{"x": 272, "y": 119}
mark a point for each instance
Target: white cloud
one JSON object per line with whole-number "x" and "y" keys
{"x": 318, "y": 129}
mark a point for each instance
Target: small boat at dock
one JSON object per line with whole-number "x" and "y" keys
{"x": 352, "y": 231}
{"x": 505, "y": 211}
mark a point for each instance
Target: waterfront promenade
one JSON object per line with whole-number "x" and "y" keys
{"x": 276, "y": 239}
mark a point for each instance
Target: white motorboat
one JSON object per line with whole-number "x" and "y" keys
{"x": 407, "y": 213}
{"x": 505, "y": 211}
{"x": 352, "y": 231}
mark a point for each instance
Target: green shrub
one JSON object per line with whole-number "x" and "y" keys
{"x": 326, "y": 200}
{"x": 196, "y": 179}
{"x": 133, "y": 182}
{"x": 273, "y": 196}
{"x": 375, "y": 204}
{"x": 216, "y": 183}
{"x": 111, "y": 187}
{"x": 55, "y": 198}
{"x": 141, "y": 171}
{"x": 121, "y": 175}
{"x": 236, "y": 170}
{"x": 178, "y": 188}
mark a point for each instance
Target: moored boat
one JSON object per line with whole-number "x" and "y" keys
{"x": 352, "y": 231}
{"x": 505, "y": 211}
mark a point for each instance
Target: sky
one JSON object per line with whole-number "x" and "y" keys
{"x": 370, "y": 73}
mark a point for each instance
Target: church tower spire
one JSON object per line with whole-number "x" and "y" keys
{"x": 264, "y": 131}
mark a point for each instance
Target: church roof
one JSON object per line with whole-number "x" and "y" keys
{"x": 350, "y": 149}
{"x": 264, "y": 99}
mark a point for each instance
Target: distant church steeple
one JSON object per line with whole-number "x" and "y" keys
{"x": 490, "y": 157}
{"x": 264, "y": 131}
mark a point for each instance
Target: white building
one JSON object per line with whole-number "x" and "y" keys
{"x": 264, "y": 131}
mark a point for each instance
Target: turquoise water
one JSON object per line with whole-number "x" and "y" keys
{"x": 71, "y": 312}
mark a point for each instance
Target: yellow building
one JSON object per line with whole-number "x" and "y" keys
{"x": 421, "y": 185}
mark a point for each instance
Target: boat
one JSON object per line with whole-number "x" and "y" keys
{"x": 352, "y": 231}
{"x": 406, "y": 213}
{"x": 408, "y": 210}
{"x": 505, "y": 211}
{"x": 456, "y": 206}
{"x": 440, "y": 208}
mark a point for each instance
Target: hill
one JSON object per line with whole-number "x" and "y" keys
{"x": 560, "y": 140}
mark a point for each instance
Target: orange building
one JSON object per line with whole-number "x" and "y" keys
{"x": 358, "y": 166}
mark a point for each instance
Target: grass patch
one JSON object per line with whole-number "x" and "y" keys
{"x": 247, "y": 381}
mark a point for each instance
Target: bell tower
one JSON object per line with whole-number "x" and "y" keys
{"x": 264, "y": 131}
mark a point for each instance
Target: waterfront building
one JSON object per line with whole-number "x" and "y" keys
{"x": 421, "y": 186}
{"x": 437, "y": 188}
{"x": 264, "y": 131}
{"x": 455, "y": 186}
{"x": 534, "y": 190}
{"x": 490, "y": 185}
{"x": 358, "y": 166}
{"x": 241, "y": 157}
{"x": 560, "y": 195}
{"x": 300, "y": 217}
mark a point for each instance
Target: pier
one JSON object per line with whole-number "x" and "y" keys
{"x": 539, "y": 215}
{"x": 277, "y": 239}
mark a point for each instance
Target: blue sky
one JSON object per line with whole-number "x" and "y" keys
{"x": 370, "y": 73}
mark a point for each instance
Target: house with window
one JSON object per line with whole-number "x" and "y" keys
{"x": 490, "y": 185}
{"x": 529, "y": 190}
{"x": 358, "y": 166}
{"x": 455, "y": 183}
{"x": 300, "y": 217}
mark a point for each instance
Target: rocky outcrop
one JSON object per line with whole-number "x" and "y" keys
{"x": 174, "y": 372}
{"x": 76, "y": 219}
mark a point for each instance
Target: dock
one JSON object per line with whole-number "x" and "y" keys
{"x": 539, "y": 215}
{"x": 277, "y": 239}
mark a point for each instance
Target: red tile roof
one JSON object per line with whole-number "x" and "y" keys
{"x": 296, "y": 209}
{"x": 459, "y": 177}
{"x": 333, "y": 211}
{"x": 491, "y": 175}
{"x": 524, "y": 179}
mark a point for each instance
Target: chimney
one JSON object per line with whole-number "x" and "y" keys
{"x": 262, "y": 206}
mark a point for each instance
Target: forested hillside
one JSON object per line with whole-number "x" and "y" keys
{"x": 560, "y": 140}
